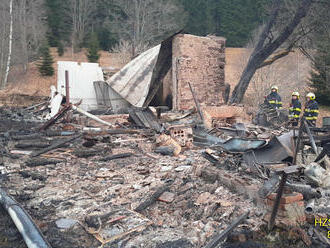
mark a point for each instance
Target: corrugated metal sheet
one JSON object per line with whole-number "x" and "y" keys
{"x": 107, "y": 97}
{"x": 139, "y": 81}
{"x": 133, "y": 81}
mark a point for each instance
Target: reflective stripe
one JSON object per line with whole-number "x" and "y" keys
{"x": 272, "y": 101}
{"x": 279, "y": 102}
{"x": 311, "y": 118}
{"x": 297, "y": 109}
{"x": 294, "y": 117}
{"x": 312, "y": 110}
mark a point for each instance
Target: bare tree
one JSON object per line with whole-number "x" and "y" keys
{"x": 81, "y": 15}
{"x": 143, "y": 22}
{"x": 20, "y": 35}
{"x": 6, "y": 41}
{"x": 268, "y": 42}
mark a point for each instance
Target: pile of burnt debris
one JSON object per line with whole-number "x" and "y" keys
{"x": 152, "y": 179}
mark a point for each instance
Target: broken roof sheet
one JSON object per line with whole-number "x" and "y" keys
{"x": 133, "y": 81}
{"x": 139, "y": 80}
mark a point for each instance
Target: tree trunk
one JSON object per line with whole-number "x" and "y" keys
{"x": 240, "y": 89}
{"x": 10, "y": 43}
{"x": 262, "y": 51}
{"x": 23, "y": 36}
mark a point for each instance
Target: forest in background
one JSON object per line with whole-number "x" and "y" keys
{"x": 72, "y": 22}
{"x": 29, "y": 26}
{"x": 273, "y": 28}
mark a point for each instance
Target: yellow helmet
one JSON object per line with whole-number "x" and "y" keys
{"x": 310, "y": 95}
{"x": 296, "y": 93}
{"x": 274, "y": 87}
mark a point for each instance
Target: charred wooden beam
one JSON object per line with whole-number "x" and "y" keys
{"x": 218, "y": 238}
{"x": 27, "y": 145}
{"x": 41, "y": 161}
{"x": 54, "y": 146}
{"x": 153, "y": 198}
{"x": 59, "y": 115}
{"x": 85, "y": 153}
{"x": 32, "y": 136}
{"x": 116, "y": 156}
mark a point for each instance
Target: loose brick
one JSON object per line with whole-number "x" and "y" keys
{"x": 285, "y": 222}
{"x": 287, "y": 198}
{"x": 283, "y": 206}
{"x": 167, "y": 197}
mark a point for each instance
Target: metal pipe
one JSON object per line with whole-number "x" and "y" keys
{"x": 310, "y": 206}
{"x": 300, "y": 133}
{"x": 279, "y": 194}
{"x": 307, "y": 191}
{"x": 311, "y": 138}
{"x": 24, "y": 223}
{"x": 67, "y": 88}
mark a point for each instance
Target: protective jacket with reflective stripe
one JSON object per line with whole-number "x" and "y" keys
{"x": 274, "y": 100}
{"x": 311, "y": 110}
{"x": 295, "y": 109}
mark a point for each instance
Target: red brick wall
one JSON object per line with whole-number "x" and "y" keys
{"x": 200, "y": 61}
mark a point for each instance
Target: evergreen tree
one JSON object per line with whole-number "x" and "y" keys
{"x": 57, "y": 20}
{"x": 46, "y": 64}
{"x": 235, "y": 20}
{"x": 107, "y": 38}
{"x": 93, "y": 49}
{"x": 60, "y": 49}
{"x": 197, "y": 16}
{"x": 320, "y": 76}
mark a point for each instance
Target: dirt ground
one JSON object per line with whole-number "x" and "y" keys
{"x": 32, "y": 84}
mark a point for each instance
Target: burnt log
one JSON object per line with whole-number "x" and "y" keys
{"x": 31, "y": 145}
{"x": 41, "y": 161}
{"x": 116, "y": 156}
{"x": 165, "y": 150}
{"x": 153, "y": 198}
{"x": 32, "y": 136}
{"x": 54, "y": 146}
{"x": 85, "y": 153}
{"x": 33, "y": 175}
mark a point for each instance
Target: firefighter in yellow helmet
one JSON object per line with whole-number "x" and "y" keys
{"x": 311, "y": 111}
{"x": 273, "y": 99}
{"x": 295, "y": 109}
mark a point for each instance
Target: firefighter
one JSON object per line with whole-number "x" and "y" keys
{"x": 273, "y": 99}
{"x": 311, "y": 109}
{"x": 295, "y": 109}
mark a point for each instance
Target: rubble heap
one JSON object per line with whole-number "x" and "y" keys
{"x": 173, "y": 184}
